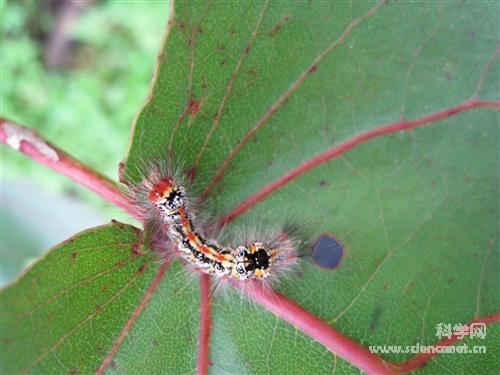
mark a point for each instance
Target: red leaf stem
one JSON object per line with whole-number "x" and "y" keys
{"x": 205, "y": 324}
{"x": 421, "y": 359}
{"x": 30, "y": 143}
{"x": 133, "y": 318}
{"x": 340, "y": 149}
{"x": 320, "y": 331}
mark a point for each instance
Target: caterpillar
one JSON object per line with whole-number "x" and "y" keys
{"x": 166, "y": 203}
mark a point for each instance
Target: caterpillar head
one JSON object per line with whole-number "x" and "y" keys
{"x": 253, "y": 261}
{"x": 166, "y": 196}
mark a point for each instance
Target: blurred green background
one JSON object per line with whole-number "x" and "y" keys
{"x": 78, "y": 72}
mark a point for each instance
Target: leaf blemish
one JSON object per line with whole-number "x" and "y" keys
{"x": 141, "y": 269}
{"x": 375, "y": 318}
{"x": 136, "y": 248}
{"x": 328, "y": 252}
{"x": 252, "y": 76}
{"x": 276, "y": 29}
{"x": 194, "y": 106}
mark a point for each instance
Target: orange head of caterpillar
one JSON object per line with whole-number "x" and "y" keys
{"x": 167, "y": 196}
{"x": 253, "y": 261}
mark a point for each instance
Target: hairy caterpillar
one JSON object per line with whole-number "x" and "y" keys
{"x": 165, "y": 202}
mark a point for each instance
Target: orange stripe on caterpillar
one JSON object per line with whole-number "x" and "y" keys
{"x": 259, "y": 260}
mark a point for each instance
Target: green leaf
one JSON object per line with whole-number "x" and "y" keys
{"x": 416, "y": 211}
{"x": 64, "y": 314}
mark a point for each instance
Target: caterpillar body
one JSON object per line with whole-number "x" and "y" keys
{"x": 256, "y": 260}
{"x": 161, "y": 200}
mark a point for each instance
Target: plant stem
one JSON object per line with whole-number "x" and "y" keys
{"x": 30, "y": 143}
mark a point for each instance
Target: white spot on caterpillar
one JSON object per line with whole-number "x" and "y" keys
{"x": 16, "y": 134}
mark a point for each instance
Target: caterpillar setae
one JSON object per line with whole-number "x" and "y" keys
{"x": 165, "y": 201}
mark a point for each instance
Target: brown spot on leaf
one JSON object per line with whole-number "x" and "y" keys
{"x": 74, "y": 254}
{"x": 276, "y": 29}
{"x": 194, "y": 106}
{"x": 136, "y": 248}
{"x": 252, "y": 73}
{"x": 408, "y": 287}
{"x": 322, "y": 183}
{"x": 141, "y": 269}
{"x": 312, "y": 69}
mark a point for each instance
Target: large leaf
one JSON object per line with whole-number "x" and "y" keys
{"x": 416, "y": 212}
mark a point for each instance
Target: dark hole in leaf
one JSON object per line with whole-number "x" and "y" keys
{"x": 328, "y": 252}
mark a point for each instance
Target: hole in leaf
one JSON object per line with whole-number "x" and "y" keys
{"x": 328, "y": 252}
